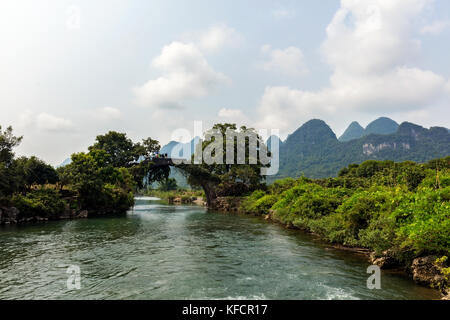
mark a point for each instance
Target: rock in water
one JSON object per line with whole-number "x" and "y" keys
{"x": 425, "y": 271}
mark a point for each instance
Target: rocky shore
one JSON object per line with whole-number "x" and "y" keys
{"x": 186, "y": 200}
{"x": 12, "y": 215}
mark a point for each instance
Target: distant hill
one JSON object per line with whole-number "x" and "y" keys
{"x": 382, "y": 125}
{"x": 65, "y": 163}
{"x": 354, "y": 131}
{"x": 313, "y": 150}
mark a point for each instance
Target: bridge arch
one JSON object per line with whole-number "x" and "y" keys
{"x": 201, "y": 177}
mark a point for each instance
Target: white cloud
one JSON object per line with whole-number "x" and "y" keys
{"x": 48, "y": 122}
{"x": 229, "y": 113}
{"x": 369, "y": 46}
{"x": 107, "y": 113}
{"x": 218, "y": 37}
{"x": 185, "y": 75}
{"x": 233, "y": 116}
{"x": 436, "y": 27}
{"x": 372, "y": 36}
{"x": 283, "y": 13}
{"x": 44, "y": 122}
{"x": 289, "y": 61}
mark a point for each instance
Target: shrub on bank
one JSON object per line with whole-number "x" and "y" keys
{"x": 403, "y": 207}
{"x": 424, "y": 220}
{"x": 45, "y": 203}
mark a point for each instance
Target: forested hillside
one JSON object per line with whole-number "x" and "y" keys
{"x": 315, "y": 152}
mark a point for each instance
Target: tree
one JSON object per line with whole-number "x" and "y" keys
{"x": 100, "y": 186}
{"x": 63, "y": 176}
{"x": 35, "y": 171}
{"x": 7, "y": 143}
{"x": 8, "y": 179}
{"x": 239, "y": 177}
{"x": 121, "y": 150}
{"x": 148, "y": 147}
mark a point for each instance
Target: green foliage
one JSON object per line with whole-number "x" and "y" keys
{"x": 100, "y": 186}
{"x": 305, "y": 202}
{"x": 280, "y": 186}
{"x": 218, "y": 175}
{"x": 42, "y": 202}
{"x": 7, "y": 143}
{"x": 424, "y": 220}
{"x": 9, "y": 181}
{"x": 380, "y": 205}
{"x": 121, "y": 150}
{"x": 35, "y": 171}
{"x": 258, "y": 203}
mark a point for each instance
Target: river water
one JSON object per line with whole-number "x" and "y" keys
{"x": 159, "y": 251}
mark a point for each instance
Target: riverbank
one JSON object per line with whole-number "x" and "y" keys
{"x": 428, "y": 270}
{"x": 50, "y": 204}
{"x": 178, "y": 197}
{"x": 12, "y": 215}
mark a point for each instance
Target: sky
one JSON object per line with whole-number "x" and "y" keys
{"x": 71, "y": 70}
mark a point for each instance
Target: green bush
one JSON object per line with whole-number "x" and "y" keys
{"x": 44, "y": 203}
{"x": 403, "y": 207}
{"x": 424, "y": 220}
{"x": 264, "y": 204}
{"x": 248, "y": 205}
{"x": 280, "y": 186}
{"x": 307, "y": 201}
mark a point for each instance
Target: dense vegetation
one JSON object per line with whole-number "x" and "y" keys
{"x": 225, "y": 177}
{"x": 103, "y": 180}
{"x": 379, "y": 205}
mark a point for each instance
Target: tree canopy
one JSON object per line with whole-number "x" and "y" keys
{"x": 222, "y": 177}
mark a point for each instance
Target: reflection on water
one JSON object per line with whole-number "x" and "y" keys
{"x": 159, "y": 251}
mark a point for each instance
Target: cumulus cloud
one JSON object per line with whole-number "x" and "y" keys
{"x": 232, "y": 115}
{"x": 44, "y": 122}
{"x": 369, "y": 46}
{"x": 185, "y": 75}
{"x": 48, "y": 122}
{"x": 218, "y": 37}
{"x": 436, "y": 27}
{"x": 289, "y": 61}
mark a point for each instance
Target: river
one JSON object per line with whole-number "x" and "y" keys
{"x": 159, "y": 251}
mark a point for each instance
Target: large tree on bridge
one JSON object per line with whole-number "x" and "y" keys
{"x": 123, "y": 152}
{"x": 222, "y": 177}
